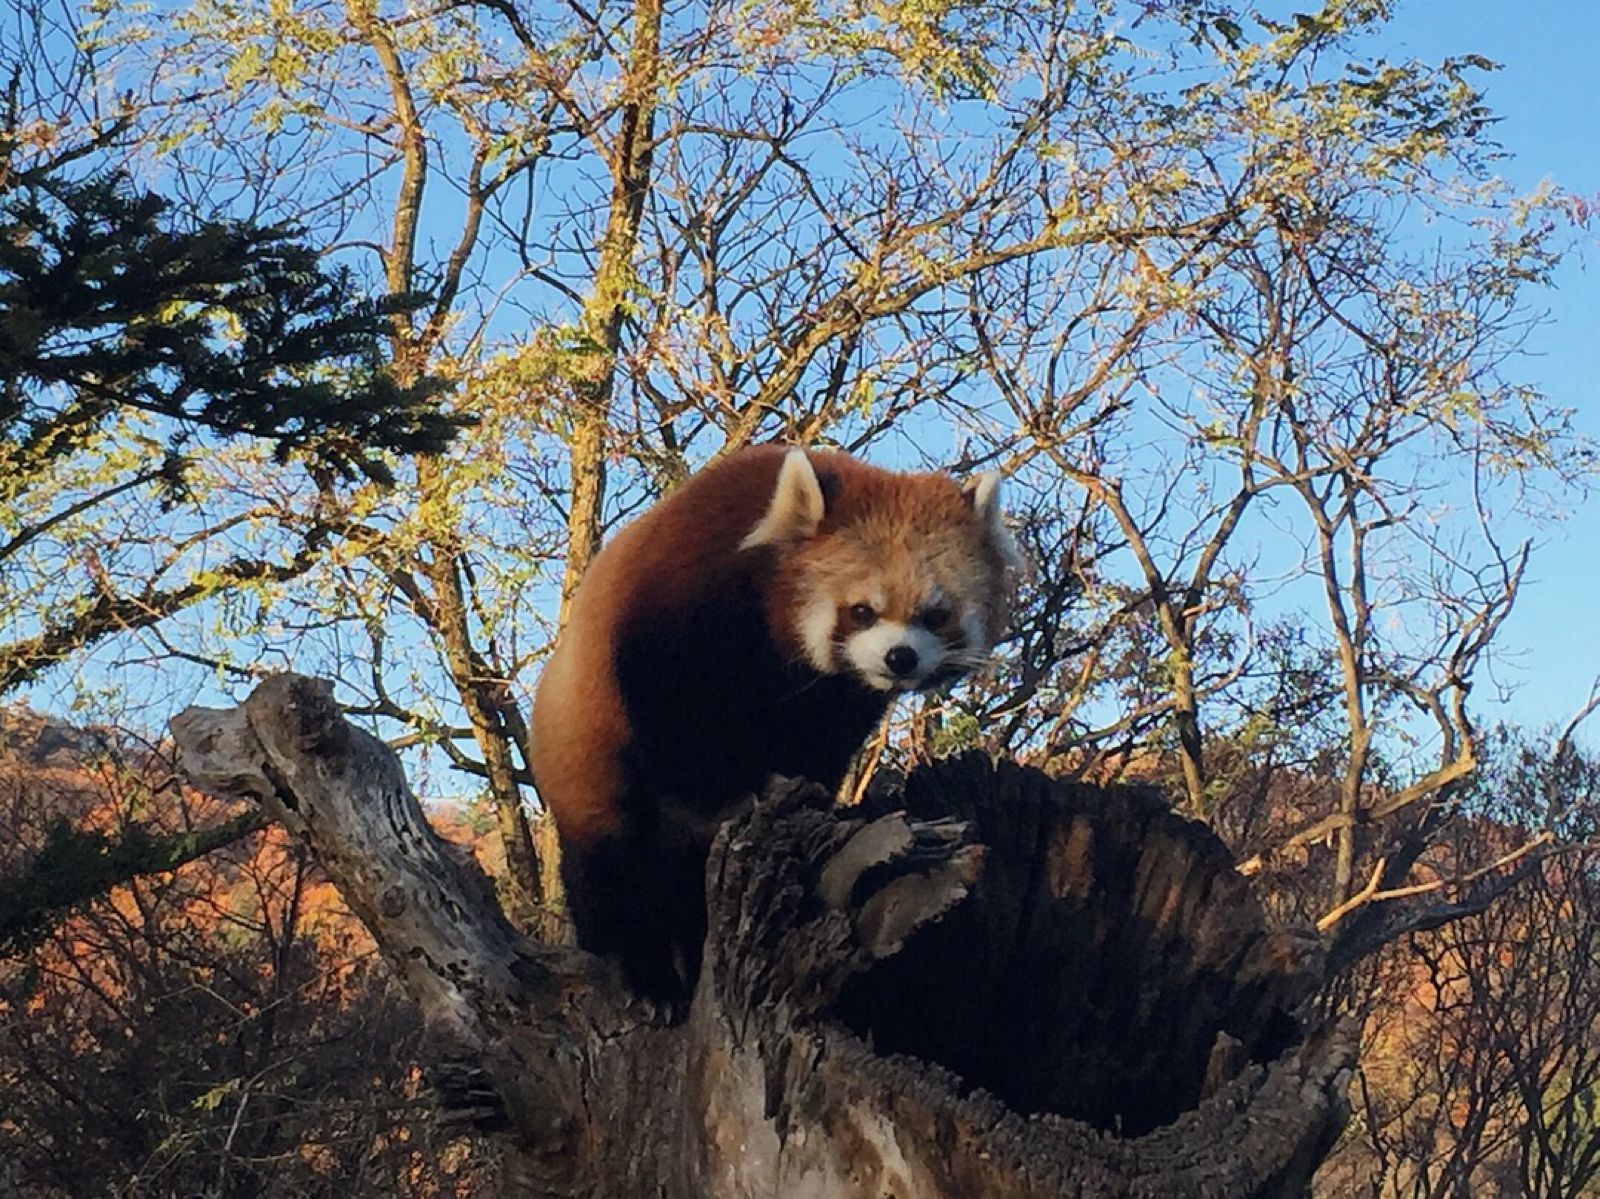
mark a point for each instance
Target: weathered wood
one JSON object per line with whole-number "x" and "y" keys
{"x": 1011, "y": 987}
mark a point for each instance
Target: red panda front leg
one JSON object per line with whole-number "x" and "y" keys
{"x": 630, "y": 896}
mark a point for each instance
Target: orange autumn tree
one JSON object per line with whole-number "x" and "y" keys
{"x": 1481, "y": 1073}
{"x": 227, "y": 1020}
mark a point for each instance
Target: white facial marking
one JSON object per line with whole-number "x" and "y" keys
{"x": 972, "y": 629}
{"x": 816, "y": 632}
{"x": 867, "y": 651}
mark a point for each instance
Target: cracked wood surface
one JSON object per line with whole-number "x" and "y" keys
{"x": 1009, "y": 987}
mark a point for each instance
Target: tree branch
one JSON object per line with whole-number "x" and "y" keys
{"x": 24, "y": 660}
{"x": 75, "y": 867}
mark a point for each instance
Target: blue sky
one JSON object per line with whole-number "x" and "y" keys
{"x": 1547, "y": 94}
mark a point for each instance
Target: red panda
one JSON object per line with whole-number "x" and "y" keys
{"x": 757, "y": 621}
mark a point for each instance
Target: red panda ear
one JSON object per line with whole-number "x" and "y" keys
{"x": 983, "y": 493}
{"x": 796, "y": 508}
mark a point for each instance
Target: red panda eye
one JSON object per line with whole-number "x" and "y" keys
{"x": 936, "y": 618}
{"x": 862, "y": 615}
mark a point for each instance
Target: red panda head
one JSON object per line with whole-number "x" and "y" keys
{"x": 900, "y": 579}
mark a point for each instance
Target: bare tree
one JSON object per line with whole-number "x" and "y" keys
{"x": 1270, "y": 442}
{"x": 1481, "y": 1077}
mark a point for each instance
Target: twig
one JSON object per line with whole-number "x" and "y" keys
{"x": 1371, "y": 894}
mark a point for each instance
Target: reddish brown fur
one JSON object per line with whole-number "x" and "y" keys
{"x": 684, "y": 676}
{"x": 687, "y": 545}
{"x": 907, "y": 529}
{"x": 680, "y": 548}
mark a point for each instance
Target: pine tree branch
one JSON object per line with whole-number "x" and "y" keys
{"x": 76, "y": 867}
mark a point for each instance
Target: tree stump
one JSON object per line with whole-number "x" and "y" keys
{"x": 1008, "y": 986}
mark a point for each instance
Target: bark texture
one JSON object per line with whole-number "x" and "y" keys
{"x": 993, "y": 984}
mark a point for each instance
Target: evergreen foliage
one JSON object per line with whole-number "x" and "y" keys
{"x": 108, "y": 302}
{"x": 76, "y": 866}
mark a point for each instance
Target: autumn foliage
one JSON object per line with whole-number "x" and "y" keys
{"x": 223, "y": 1029}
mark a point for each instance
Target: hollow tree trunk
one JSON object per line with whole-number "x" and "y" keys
{"x": 1010, "y": 987}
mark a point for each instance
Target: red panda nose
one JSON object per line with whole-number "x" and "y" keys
{"x": 901, "y": 660}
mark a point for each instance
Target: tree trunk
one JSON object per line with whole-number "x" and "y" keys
{"x": 630, "y": 155}
{"x": 1004, "y": 986}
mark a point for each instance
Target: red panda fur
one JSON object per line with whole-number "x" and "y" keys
{"x": 689, "y": 671}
